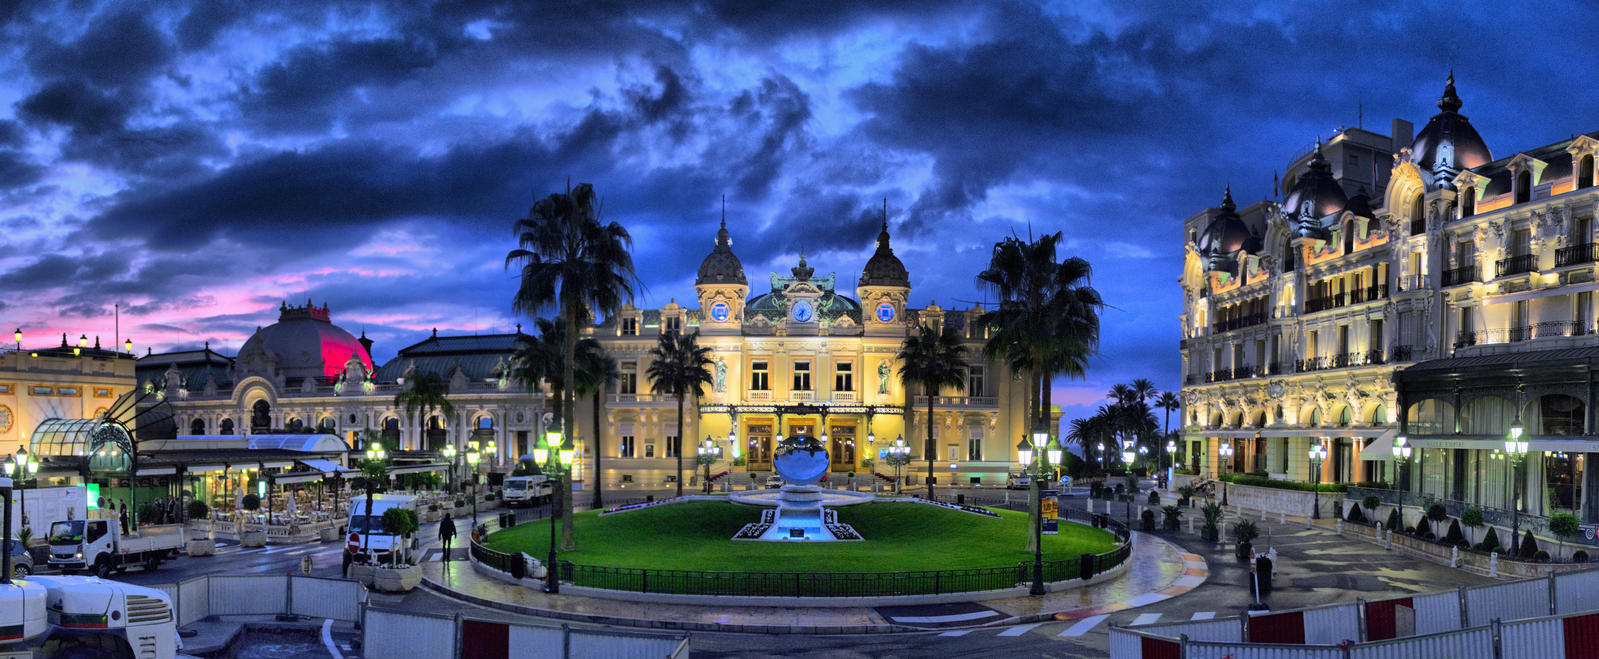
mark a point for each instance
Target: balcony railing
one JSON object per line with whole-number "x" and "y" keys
{"x": 1341, "y": 360}
{"x": 1542, "y": 330}
{"x": 957, "y": 401}
{"x": 1400, "y": 354}
{"x": 1369, "y": 293}
{"x": 1238, "y": 323}
{"x": 1515, "y": 265}
{"x": 1333, "y": 301}
{"x": 1413, "y": 282}
{"x": 1577, "y": 254}
{"x": 1461, "y": 275}
{"x": 1223, "y": 375}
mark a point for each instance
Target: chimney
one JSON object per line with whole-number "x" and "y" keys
{"x": 1404, "y": 133}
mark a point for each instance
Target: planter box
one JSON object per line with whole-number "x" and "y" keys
{"x": 362, "y": 573}
{"x": 253, "y": 539}
{"x": 329, "y": 534}
{"x": 202, "y": 547}
{"x": 396, "y": 579}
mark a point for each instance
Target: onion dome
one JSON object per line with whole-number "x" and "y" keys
{"x": 1315, "y": 195}
{"x": 884, "y": 269}
{"x": 1449, "y": 144}
{"x": 1225, "y": 235}
{"x": 305, "y": 343}
{"x": 721, "y": 266}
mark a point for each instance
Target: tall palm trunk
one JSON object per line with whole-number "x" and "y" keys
{"x": 598, "y": 395}
{"x": 568, "y": 376}
{"x": 932, "y": 451}
{"x": 679, "y": 447}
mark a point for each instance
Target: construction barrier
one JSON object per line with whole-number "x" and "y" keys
{"x": 1224, "y": 630}
{"x": 395, "y": 633}
{"x": 1577, "y": 591}
{"x": 1465, "y": 644}
{"x": 1418, "y": 615}
{"x": 266, "y": 594}
{"x": 1507, "y": 601}
{"x": 1204, "y": 650}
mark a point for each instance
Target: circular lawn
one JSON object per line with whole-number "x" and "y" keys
{"x": 899, "y": 537}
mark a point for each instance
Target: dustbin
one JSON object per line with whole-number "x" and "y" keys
{"x": 1263, "y": 575}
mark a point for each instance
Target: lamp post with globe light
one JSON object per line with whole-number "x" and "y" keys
{"x": 22, "y": 467}
{"x": 1171, "y": 454}
{"x": 374, "y": 468}
{"x": 1127, "y": 461}
{"x": 554, "y": 461}
{"x": 1516, "y": 452}
{"x": 1317, "y": 454}
{"x": 451, "y": 455}
{"x": 1402, "y": 458}
{"x": 472, "y": 457}
{"x": 1226, "y": 453}
{"x": 1038, "y": 457}
{"x": 707, "y": 454}
{"x": 898, "y": 455}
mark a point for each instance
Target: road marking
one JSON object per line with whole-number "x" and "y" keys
{"x": 1084, "y": 625}
{"x": 957, "y": 617}
{"x": 1019, "y": 629}
{"x": 327, "y": 639}
{"x": 958, "y": 632}
{"x": 1145, "y": 619}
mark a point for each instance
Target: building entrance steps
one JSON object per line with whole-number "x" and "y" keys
{"x": 1158, "y": 570}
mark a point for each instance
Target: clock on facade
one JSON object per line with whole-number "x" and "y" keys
{"x": 803, "y": 311}
{"x": 885, "y": 312}
{"x": 6, "y": 420}
{"x": 719, "y": 312}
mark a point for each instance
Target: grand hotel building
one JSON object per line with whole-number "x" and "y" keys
{"x": 1403, "y": 286}
{"x": 800, "y": 356}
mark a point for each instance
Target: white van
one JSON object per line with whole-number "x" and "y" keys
{"x": 527, "y": 490}
{"x": 366, "y": 534}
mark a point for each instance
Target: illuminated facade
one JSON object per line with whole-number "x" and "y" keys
{"x": 63, "y": 382}
{"x": 1416, "y": 275}
{"x": 801, "y": 356}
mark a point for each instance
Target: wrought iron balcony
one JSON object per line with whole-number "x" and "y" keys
{"x": 1461, "y": 275}
{"x": 1544, "y": 330}
{"x": 1577, "y": 254}
{"x": 1240, "y": 322}
{"x": 1515, "y": 265}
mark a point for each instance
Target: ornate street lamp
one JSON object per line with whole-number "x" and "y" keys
{"x": 22, "y": 467}
{"x": 1317, "y": 454}
{"x": 1036, "y": 458}
{"x": 708, "y": 452}
{"x": 1226, "y": 453}
{"x": 128, "y": 343}
{"x": 1171, "y": 453}
{"x": 450, "y": 454}
{"x": 1516, "y": 451}
{"x": 899, "y": 455}
{"x": 1402, "y": 458}
{"x": 472, "y": 456}
{"x": 18, "y": 336}
{"x": 553, "y": 460}
{"x": 375, "y": 459}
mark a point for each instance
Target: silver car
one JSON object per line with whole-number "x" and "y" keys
{"x": 21, "y": 560}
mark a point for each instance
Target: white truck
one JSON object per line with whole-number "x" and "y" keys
{"x": 84, "y": 618}
{"x": 527, "y": 490}
{"x": 366, "y": 534}
{"x": 99, "y": 545}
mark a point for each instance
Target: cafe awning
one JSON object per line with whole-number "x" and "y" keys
{"x": 418, "y": 469}
{"x": 324, "y": 466}
{"x": 298, "y": 477}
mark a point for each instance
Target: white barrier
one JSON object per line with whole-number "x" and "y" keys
{"x": 626, "y": 645}
{"x": 1533, "y": 639}
{"x": 1130, "y": 645}
{"x": 399, "y": 634}
{"x": 1467, "y": 644}
{"x": 1224, "y": 630}
{"x": 1437, "y": 613}
{"x": 194, "y": 600}
{"x": 338, "y": 599}
{"x": 1507, "y": 601}
{"x": 1577, "y": 591}
{"x": 1203, "y": 650}
{"x": 248, "y": 594}
{"x": 1331, "y": 625}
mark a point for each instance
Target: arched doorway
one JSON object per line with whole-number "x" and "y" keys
{"x": 227, "y": 426}
{"x": 436, "y": 435}
{"x": 197, "y": 427}
{"x": 260, "y": 416}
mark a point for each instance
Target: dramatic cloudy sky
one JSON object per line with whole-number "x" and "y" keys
{"x": 199, "y": 163}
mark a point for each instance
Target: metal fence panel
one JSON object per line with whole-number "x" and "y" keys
{"x": 1577, "y": 592}
{"x": 1128, "y": 644}
{"x": 194, "y": 599}
{"x": 317, "y": 597}
{"x": 1476, "y": 643}
{"x": 621, "y": 645}
{"x": 1437, "y": 613}
{"x": 536, "y": 641}
{"x": 1331, "y": 625}
{"x": 1533, "y": 639}
{"x": 1202, "y": 650}
{"x": 1507, "y": 601}
{"x": 248, "y": 594}
{"x": 396, "y": 634}
{"x": 1220, "y": 630}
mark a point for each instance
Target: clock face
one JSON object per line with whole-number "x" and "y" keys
{"x": 6, "y": 419}
{"x": 803, "y": 312}
{"x": 885, "y": 312}
{"x": 719, "y": 312}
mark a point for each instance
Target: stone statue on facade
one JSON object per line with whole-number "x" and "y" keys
{"x": 882, "y": 378}
{"x": 721, "y": 375}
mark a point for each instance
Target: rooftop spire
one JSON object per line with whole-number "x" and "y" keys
{"x": 1227, "y": 205}
{"x": 1450, "y": 101}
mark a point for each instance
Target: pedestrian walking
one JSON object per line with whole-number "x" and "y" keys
{"x": 446, "y": 534}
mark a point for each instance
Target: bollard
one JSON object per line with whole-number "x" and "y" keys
{"x": 1454, "y": 557}
{"x": 1493, "y": 564}
{"x": 1190, "y": 525}
{"x": 1307, "y": 520}
{"x": 1340, "y": 526}
{"x": 1388, "y": 540}
{"x": 1262, "y": 513}
{"x": 1282, "y": 517}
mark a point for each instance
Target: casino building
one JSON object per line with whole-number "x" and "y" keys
{"x": 800, "y": 355}
{"x": 1417, "y": 287}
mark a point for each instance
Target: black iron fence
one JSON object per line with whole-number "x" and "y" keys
{"x": 1461, "y": 275}
{"x": 837, "y": 584}
{"x": 1575, "y": 254}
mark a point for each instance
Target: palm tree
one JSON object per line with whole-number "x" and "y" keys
{"x": 575, "y": 264}
{"x": 540, "y": 358}
{"x": 1169, "y": 402}
{"x": 1144, "y": 390}
{"x": 680, "y": 368}
{"x": 427, "y": 392}
{"x": 596, "y": 371}
{"x": 934, "y": 360}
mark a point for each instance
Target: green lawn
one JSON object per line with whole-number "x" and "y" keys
{"x": 899, "y": 537}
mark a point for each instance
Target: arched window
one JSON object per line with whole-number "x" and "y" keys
{"x": 1585, "y": 173}
{"x": 1288, "y": 254}
{"x": 261, "y": 415}
{"x": 227, "y": 426}
{"x": 1345, "y": 417}
{"x": 1523, "y": 187}
{"x": 1488, "y": 415}
{"x": 1418, "y": 215}
{"x": 326, "y": 424}
{"x": 1315, "y": 418}
{"x": 485, "y": 423}
{"x": 1379, "y": 416}
{"x": 1559, "y": 414}
{"x": 1468, "y": 202}
{"x": 197, "y": 427}
{"x": 1430, "y": 417}
{"x": 1349, "y": 237}
{"x": 1260, "y": 419}
{"x": 391, "y": 433}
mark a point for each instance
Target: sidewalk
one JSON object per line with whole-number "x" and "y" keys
{"x": 1157, "y": 570}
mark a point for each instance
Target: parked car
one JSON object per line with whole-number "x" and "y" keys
{"x": 21, "y": 560}
{"x": 1018, "y": 482}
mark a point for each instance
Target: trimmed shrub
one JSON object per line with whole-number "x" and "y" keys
{"x": 252, "y": 502}
{"x": 1491, "y": 541}
{"x": 1154, "y": 498}
{"x": 1497, "y": 550}
{"x": 1454, "y": 537}
{"x": 1355, "y": 516}
{"x": 1371, "y": 502}
{"x": 197, "y": 509}
{"x": 1148, "y": 519}
{"x": 1529, "y": 544}
{"x": 1435, "y": 514}
{"x": 1471, "y": 518}
{"x": 1540, "y": 555}
{"x": 1393, "y": 520}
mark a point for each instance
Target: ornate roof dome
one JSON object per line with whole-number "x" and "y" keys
{"x": 721, "y": 266}
{"x": 303, "y": 343}
{"x": 1449, "y": 143}
{"x": 884, "y": 269}
{"x": 1315, "y": 195}
{"x": 1225, "y": 235}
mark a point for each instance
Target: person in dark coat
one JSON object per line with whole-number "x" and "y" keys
{"x": 122, "y": 516}
{"x": 446, "y": 534}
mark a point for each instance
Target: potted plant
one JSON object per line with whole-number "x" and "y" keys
{"x": 252, "y": 537}
{"x": 201, "y": 546}
{"x": 1471, "y": 518}
{"x": 1212, "y": 528}
{"x": 400, "y": 575}
{"x": 1564, "y": 525}
{"x": 433, "y": 513}
{"x": 1147, "y": 520}
{"x": 1172, "y": 515}
{"x": 1154, "y": 499}
{"x": 1186, "y": 495}
{"x": 1244, "y": 534}
{"x": 1435, "y": 514}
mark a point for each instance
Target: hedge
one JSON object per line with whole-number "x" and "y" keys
{"x": 1259, "y": 481}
